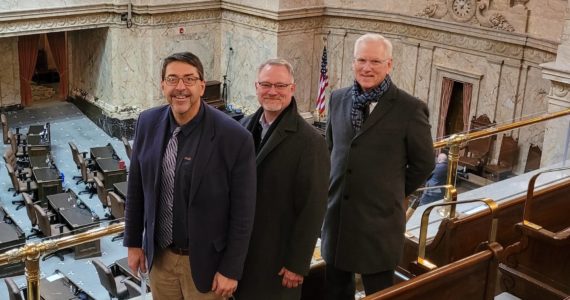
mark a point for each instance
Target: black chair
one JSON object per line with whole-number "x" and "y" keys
{"x": 14, "y": 292}
{"x": 49, "y": 230}
{"x": 31, "y": 215}
{"x": 114, "y": 284}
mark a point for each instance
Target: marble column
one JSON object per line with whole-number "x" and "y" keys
{"x": 557, "y": 133}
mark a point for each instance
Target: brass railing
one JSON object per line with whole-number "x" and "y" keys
{"x": 455, "y": 141}
{"x": 31, "y": 253}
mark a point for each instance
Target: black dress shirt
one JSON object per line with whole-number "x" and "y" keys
{"x": 188, "y": 143}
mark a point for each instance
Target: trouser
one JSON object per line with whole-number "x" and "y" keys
{"x": 171, "y": 279}
{"x": 340, "y": 284}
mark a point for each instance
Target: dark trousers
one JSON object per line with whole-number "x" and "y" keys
{"x": 340, "y": 284}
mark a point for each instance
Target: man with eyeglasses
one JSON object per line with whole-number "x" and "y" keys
{"x": 381, "y": 151}
{"x": 191, "y": 191}
{"x": 292, "y": 168}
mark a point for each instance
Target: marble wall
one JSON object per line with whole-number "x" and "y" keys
{"x": 120, "y": 84}
{"x": 250, "y": 47}
{"x": 9, "y": 73}
{"x": 232, "y": 37}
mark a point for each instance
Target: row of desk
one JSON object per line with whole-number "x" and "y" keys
{"x": 79, "y": 217}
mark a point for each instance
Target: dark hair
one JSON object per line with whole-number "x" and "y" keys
{"x": 186, "y": 57}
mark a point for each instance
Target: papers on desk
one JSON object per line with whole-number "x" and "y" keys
{"x": 54, "y": 277}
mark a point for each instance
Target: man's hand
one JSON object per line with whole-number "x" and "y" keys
{"x": 223, "y": 286}
{"x": 290, "y": 279}
{"x": 136, "y": 260}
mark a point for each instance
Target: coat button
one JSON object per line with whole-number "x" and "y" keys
{"x": 349, "y": 171}
{"x": 345, "y": 197}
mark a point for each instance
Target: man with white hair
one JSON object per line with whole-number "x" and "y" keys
{"x": 381, "y": 151}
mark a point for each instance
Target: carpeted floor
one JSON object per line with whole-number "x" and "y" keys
{"x": 67, "y": 124}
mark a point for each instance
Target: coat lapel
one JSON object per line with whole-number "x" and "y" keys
{"x": 204, "y": 151}
{"x": 284, "y": 127}
{"x": 384, "y": 106}
{"x": 158, "y": 152}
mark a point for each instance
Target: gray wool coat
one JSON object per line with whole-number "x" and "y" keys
{"x": 372, "y": 172}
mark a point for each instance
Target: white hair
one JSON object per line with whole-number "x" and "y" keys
{"x": 374, "y": 37}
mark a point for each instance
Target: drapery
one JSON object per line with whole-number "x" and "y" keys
{"x": 57, "y": 45}
{"x": 27, "y": 56}
{"x": 467, "y": 91}
{"x": 446, "y": 89}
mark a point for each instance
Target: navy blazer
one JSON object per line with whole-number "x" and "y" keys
{"x": 222, "y": 193}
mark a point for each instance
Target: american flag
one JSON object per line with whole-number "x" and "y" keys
{"x": 323, "y": 83}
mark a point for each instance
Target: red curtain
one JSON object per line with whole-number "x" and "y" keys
{"x": 446, "y": 89}
{"x": 467, "y": 91}
{"x": 57, "y": 45}
{"x": 27, "y": 56}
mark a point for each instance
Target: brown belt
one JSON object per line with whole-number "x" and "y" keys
{"x": 178, "y": 251}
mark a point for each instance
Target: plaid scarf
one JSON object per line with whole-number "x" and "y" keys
{"x": 361, "y": 99}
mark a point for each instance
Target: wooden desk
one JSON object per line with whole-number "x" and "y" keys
{"x": 59, "y": 287}
{"x": 102, "y": 152}
{"x": 49, "y": 182}
{"x": 36, "y": 129}
{"x": 112, "y": 174}
{"x": 40, "y": 161}
{"x": 11, "y": 236}
{"x": 36, "y": 145}
{"x": 121, "y": 188}
{"x": 79, "y": 217}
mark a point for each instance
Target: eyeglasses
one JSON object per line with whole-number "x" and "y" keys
{"x": 187, "y": 80}
{"x": 268, "y": 85}
{"x": 361, "y": 62}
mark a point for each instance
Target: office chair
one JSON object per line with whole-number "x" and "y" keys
{"x": 49, "y": 230}
{"x": 88, "y": 178}
{"x": 133, "y": 289}
{"x": 5, "y": 129}
{"x": 31, "y": 215}
{"x": 114, "y": 285}
{"x": 76, "y": 154}
{"x": 117, "y": 211}
{"x": 102, "y": 193}
{"x": 14, "y": 292}
{"x": 20, "y": 184}
{"x": 21, "y": 167}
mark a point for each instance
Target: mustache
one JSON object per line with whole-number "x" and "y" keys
{"x": 180, "y": 93}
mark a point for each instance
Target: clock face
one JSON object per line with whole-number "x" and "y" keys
{"x": 462, "y": 10}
